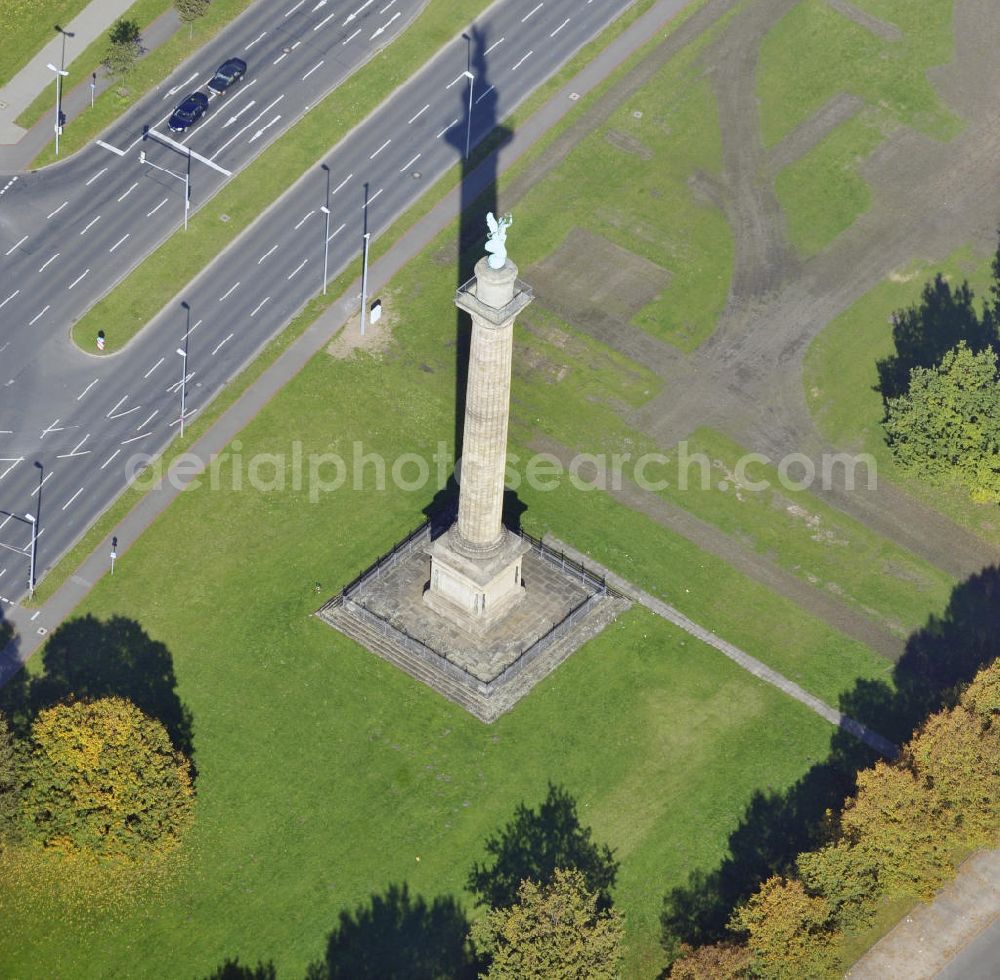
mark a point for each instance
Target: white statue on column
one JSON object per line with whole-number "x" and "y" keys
{"x": 496, "y": 241}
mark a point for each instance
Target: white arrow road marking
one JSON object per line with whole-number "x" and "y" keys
{"x": 385, "y": 26}
{"x": 233, "y": 119}
{"x": 177, "y": 88}
{"x": 363, "y": 6}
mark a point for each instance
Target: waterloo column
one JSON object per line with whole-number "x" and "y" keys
{"x": 476, "y": 565}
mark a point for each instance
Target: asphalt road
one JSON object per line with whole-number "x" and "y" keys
{"x": 71, "y": 425}
{"x": 980, "y": 960}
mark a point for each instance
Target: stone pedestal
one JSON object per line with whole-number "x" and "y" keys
{"x": 476, "y": 565}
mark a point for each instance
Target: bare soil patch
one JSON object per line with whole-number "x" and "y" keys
{"x": 377, "y": 338}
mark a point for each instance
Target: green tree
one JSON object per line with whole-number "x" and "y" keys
{"x": 553, "y": 931}
{"x": 720, "y": 961}
{"x": 102, "y": 777}
{"x": 8, "y": 781}
{"x": 947, "y": 426}
{"x": 123, "y": 50}
{"x": 788, "y": 932}
{"x": 190, "y": 10}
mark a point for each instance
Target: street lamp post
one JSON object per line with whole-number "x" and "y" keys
{"x": 183, "y": 355}
{"x": 326, "y": 245}
{"x": 364, "y": 284}
{"x": 59, "y": 77}
{"x": 468, "y": 128}
{"x": 34, "y": 551}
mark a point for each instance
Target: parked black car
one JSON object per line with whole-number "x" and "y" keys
{"x": 228, "y": 73}
{"x": 188, "y": 112}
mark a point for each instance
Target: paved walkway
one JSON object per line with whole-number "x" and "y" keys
{"x": 22, "y": 89}
{"x": 956, "y": 936}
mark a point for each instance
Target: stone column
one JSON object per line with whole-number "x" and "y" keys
{"x": 476, "y": 565}
{"x": 487, "y": 408}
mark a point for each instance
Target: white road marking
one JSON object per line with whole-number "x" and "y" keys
{"x": 57, "y": 210}
{"x": 387, "y": 6}
{"x": 38, "y": 612}
{"x": 49, "y": 261}
{"x": 256, "y": 39}
{"x": 177, "y": 88}
{"x": 176, "y": 386}
{"x": 188, "y": 415}
{"x": 385, "y": 26}
{"x": 352, "y": 37}
{"x": 292, "y": 10}
{"x": 78, "y": 278}
{"x": 110, "y": 458}
{"x": 38, "y": 316}
{"x": 295, "y": 45}
{"x": 559, "y": 28}
{"x": 532, "y": 12}
{"x": 457, "y": 78}
{"x": 21, "y": 242}
{"x": 45, "y": 479}
{"x": 228, "y": 292}
{"x": 74, "y": 451}
{"x": 380, "y": 149}
{"x": 298, "y": 268}
{"x": 303, "y": 220}
{"x": 245, "y": 128}
{"x": 149, "y": 214}
{"x": 446, "y": 128}
{"x": 372, "y": 198}
{"x": 259, "y": 305}
{"x": 337, "y": 232}
{"x": 216, "y": 351}
{"x": 233, "y": 119}
{"x": 51, "y": 428}
{"x": 483, "y": 96}
{"x": 281, "y": 57}
{"x": 108, "y": 146}
{"x": 125, "y": 442}
{"x": 260, "y": 132}
{"x": 341, "y": 184}
{"x": 191, "y": 330}
{"x": 104, "y": 170}
{"x": 85, "y": 390}
{"x": 71, "y": 499}
{"x": 523, "y": 60}
{"x": 328, "y": 17}
{"x": 493, "y": 45}
{"x": 120, "y": 400}
{"x": 406, "y": 166}
{"x": 120, "y": 240}
{"x": 129, "y": 191}
{"x": 142, "y": 425}
{"x": 266, "y": 254}
{"x": 363, "y": 6}
{"x": 9, "y": 298}
{"x": 13, "y": 463}
{"x": 318, "y": 64}
{"x": 419, "y": 114}
{"x": 153, "y": 368}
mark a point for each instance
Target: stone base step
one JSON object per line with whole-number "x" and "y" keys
{"x": 501, "y": 697}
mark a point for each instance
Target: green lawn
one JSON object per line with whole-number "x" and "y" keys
{"x": 813, "y": 53}
{"x": 26, "y": 30}
{"x": 840, "y": 380}
{"x": 633, "y": 173}
{"x": 324, "y": 773}
{"x": 821, "y": 193}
